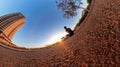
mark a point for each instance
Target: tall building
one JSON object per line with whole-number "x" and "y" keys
{"x": 9, "y": 25}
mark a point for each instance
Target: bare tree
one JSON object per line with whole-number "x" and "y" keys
{"x": 69, "y": 7}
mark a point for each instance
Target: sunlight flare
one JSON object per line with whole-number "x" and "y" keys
{"x": 56, "y": 38}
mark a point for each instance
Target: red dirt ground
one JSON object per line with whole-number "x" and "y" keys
{"x": 96, "y": 43}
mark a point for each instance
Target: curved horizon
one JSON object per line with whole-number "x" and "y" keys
{"x": 43, "y": 22}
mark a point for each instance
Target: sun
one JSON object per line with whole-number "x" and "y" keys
{"x": 56, "y": 38}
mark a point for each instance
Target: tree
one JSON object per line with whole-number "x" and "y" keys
{"x": 69, "y": 7}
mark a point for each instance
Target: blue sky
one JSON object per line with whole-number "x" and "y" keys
{"x": 44, "y": 21}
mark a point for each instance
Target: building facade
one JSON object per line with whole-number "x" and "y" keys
{"x": 9, "y": 25}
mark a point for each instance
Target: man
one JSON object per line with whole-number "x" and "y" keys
{"x": 89, "y": 1}
{"x": 69, "y": 31}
